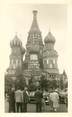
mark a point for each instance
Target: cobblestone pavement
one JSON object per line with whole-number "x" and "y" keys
{"x": 32, "y": 108}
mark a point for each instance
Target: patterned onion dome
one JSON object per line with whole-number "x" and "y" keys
{"x": 16, "y": 42}
{"x": 49, "y": 38}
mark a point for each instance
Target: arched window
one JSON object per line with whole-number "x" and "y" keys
{"x": 47, "y": 61}
{"x": 16, "y": 62}
{"x": 53, "y": 61}
{"x": 33, "y": 57}
{"x": 50, "y": 65}
{"x": 14, "y": 66}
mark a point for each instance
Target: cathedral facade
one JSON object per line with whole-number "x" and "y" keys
{"x": 40, "y": 58}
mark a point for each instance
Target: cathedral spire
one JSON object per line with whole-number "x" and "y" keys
{"x": 34, "y": 26}
{"x": 35, "y": 14}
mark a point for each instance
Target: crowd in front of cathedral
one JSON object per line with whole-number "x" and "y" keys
{"x": 18, "y": 100}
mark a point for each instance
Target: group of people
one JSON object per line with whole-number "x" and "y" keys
{"x": 18, "y": 100}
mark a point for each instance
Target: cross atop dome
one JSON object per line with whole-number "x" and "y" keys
{"x": 34, "y": 26}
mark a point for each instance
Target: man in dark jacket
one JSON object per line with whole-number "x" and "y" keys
{"x": 12, "y": 100}
{"x": 38, "y": 97}
{"x": 25, "y": 99}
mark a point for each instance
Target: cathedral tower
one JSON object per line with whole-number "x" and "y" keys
{"x": 16, "y": 57}
{"x": 34, "y": 45}
{"x": 34, "y": 52}
{"x": 50, "y": 55}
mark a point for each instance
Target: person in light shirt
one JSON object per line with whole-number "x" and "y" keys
{"x": 18, "y": 99}
{"x": 54, "y": 97}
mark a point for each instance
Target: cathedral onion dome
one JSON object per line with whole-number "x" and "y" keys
{"x": 16, "y": 42}
{"x": 49, "y": 38}
{"x": 23, "y": 50}
{"x": 34, "y": 26}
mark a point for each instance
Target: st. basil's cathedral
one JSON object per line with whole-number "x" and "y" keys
{"x": 39, "y": 58}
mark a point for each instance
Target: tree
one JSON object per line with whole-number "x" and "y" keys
{"x": 54, "y": 84}
{"x": 31, "y": 86}
{"x": 20, "y": 82}
{"x": 8, "y": 84}
{"x": 43, "y": 83}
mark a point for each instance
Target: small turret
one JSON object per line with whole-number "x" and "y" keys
{"x": 50, "y": 55}
{"x": 16, "y": 56}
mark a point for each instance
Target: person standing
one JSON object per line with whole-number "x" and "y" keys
{"x": 38, "y": 97}
{"x": 18, "y": 99}
{"x": 12, "y": 100}
{"x": 54, "y": 97}
{"x": 43, "y": 105}
{"x": 25, "y": 99}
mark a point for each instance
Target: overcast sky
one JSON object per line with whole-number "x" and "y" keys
{"x": 18, "y": 18}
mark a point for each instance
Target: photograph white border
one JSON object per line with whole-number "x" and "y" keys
{"x": 69, "y": 114}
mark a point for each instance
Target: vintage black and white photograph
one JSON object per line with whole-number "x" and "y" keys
{"x": 36, "y": 75}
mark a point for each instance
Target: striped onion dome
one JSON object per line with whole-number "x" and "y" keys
{"x": 15, "y": 42}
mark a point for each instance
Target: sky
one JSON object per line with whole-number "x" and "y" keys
{"x": 17, "y": 18}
